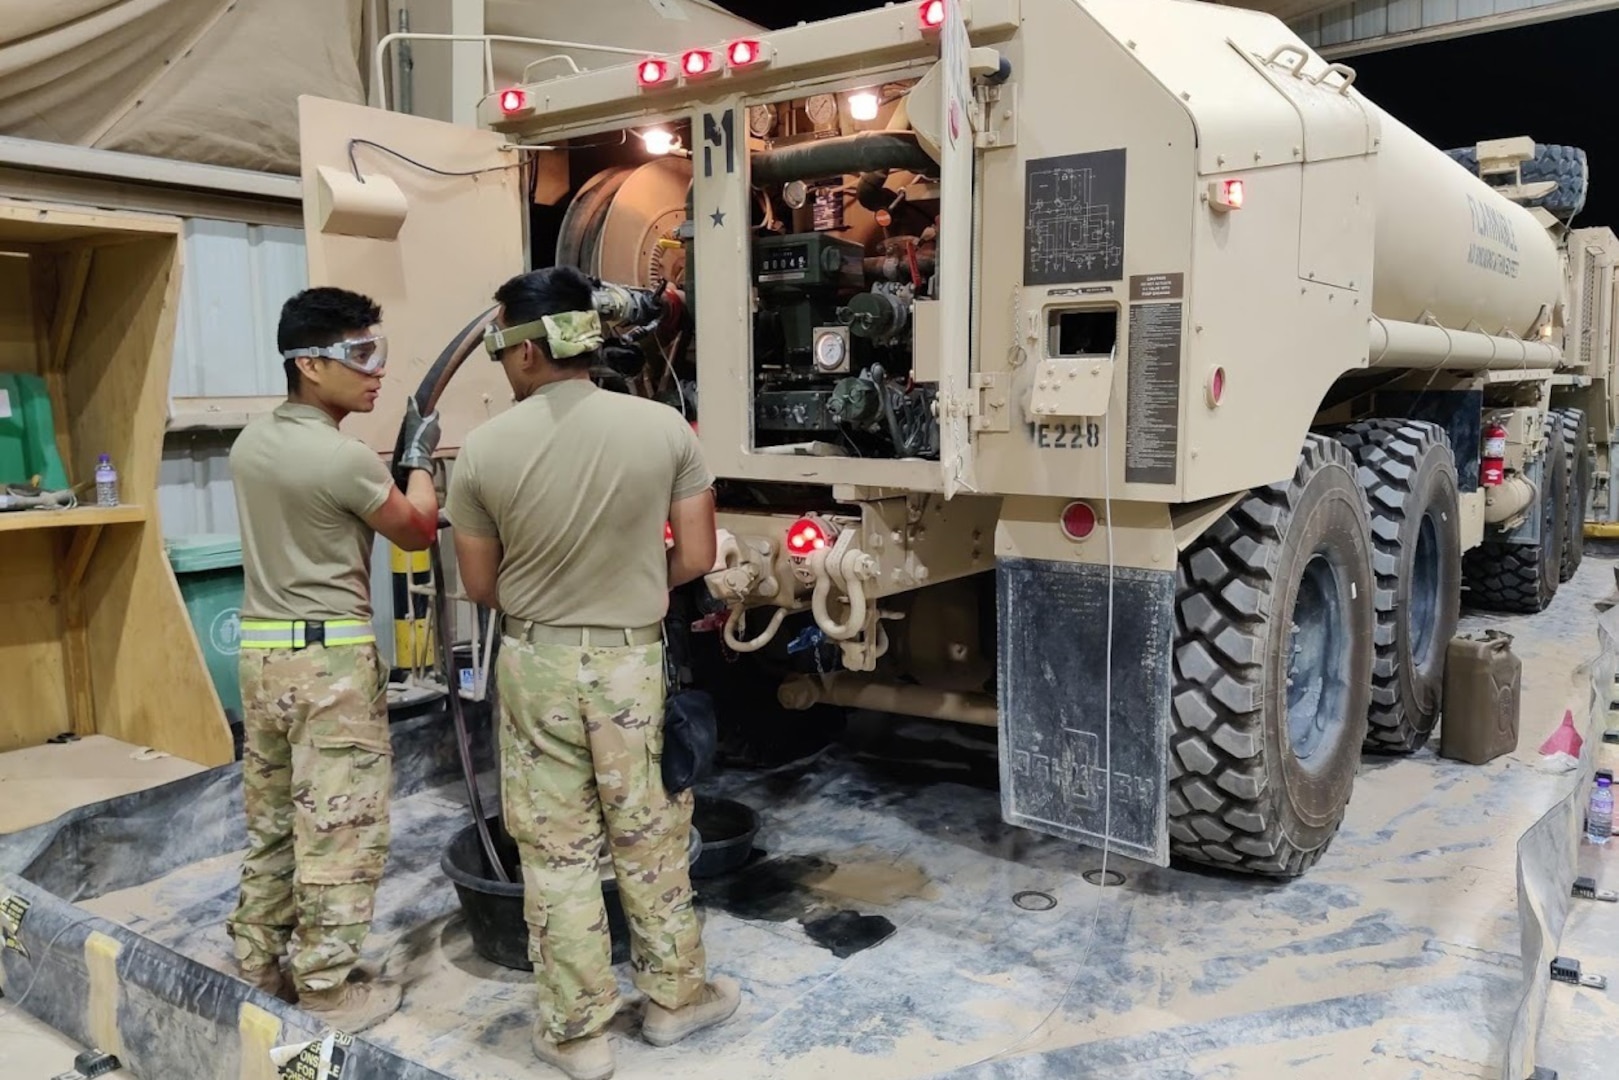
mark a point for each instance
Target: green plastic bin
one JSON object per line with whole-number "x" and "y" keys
{"x": 209, "y": 570}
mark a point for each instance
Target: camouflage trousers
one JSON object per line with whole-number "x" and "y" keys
{"x": 317, "y": 773}
{"x": 581, "y": 739}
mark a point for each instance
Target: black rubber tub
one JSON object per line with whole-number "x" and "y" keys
{"x": 728, "y": 828}
{"x": 494, "y": 909}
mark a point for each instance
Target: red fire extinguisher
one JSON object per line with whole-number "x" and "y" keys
{"x": 1493, "y": 467}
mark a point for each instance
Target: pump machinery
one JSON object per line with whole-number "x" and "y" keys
{"x": 1111, "y": 373}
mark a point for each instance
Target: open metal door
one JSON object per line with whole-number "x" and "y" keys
{"x": 427, "y": 219}
{"x": 955, "y": 257}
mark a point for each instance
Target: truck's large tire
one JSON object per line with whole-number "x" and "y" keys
{"x": 1580, "y": 467}
{"x": 1273, "y": 665}
{"x": 1565, "y": 164}
{"x": 1523, "y": 578}
{"x": 1409, "y": 475}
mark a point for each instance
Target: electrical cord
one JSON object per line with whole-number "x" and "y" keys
{"x": 402, "y": 156}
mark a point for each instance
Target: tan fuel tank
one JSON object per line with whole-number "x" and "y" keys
{"x": 1450, "y": 246}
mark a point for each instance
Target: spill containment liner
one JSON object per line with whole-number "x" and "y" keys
{"x": 877, "y": 934}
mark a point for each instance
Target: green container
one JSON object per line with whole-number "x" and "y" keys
{"x": 28, "y": 434}
{"x": 209, "y": 569}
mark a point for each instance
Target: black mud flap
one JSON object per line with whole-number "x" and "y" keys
{"x": 1055, "y": 744}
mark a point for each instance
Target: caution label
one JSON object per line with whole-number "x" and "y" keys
{"x": 322, "y": 1060}
{"x": 12, "y": 909}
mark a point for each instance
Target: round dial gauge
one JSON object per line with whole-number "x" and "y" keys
{"x": 830, "y": 351}
{"x": 822, "y": 110}
{"x": 795, "y": 194}
{"x": 761, "y": 119}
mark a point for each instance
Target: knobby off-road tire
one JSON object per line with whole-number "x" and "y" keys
{"x": 1580, "y": 468}
{"x": 1409, "y": 475}
{"x": 1523, "y": 578}
{"x": 1273, "y": 664}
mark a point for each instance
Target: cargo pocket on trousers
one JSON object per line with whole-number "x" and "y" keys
{"x": 342, "y": 809}
{"x": 348, "y": 705}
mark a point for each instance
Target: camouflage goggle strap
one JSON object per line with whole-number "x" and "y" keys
{"x": 567, "y": 333}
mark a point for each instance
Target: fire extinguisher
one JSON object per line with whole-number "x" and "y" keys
{"x": 1493, "y": 467}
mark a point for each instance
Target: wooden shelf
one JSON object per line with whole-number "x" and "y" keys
{"x": 78, "y": 517}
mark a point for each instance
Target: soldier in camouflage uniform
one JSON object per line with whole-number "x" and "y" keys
{"x": 558, "y": 507}
{"x": 317, "y": 767}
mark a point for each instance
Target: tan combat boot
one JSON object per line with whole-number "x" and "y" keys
{"x": 589, "y": 1058}
{"x": 352, "y": 1007}
{"x": 272, "y": 979}
{"x": 715, "y": 1005}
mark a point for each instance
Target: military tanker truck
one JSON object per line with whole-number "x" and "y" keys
{"x": 1110, "y": 372}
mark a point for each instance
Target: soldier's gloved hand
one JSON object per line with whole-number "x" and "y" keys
{"x": 421, "y": 437}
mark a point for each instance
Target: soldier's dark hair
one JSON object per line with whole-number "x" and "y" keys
{"x": 321, "y": 316}
{"x": 551, "y": 291}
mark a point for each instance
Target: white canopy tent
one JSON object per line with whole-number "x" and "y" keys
{"x": 216, "y": 82}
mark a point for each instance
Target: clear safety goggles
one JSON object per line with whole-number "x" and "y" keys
{"x": 366, "y": 355}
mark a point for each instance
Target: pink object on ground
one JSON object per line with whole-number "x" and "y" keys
{"x": 1565, "y": 740}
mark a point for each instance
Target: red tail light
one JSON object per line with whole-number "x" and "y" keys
{"x": 805, "y": 537}
{"x": 931, "y": 14}
{"x": 1078, "y": 520}
{"x": 742, "y": 53}
{"x": 697, "y": 62}
{"x": 651, "y": 72}
{"x": 513, "y": 100}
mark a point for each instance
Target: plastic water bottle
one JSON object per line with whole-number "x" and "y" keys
{"x": 106, "y": 482}
{"x": 1599, "y": 815}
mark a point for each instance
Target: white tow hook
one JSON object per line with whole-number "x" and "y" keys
{"x": 741, "y": 571}
{"x": 846, "y": 568}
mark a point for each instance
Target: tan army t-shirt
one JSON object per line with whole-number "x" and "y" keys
{"x": 576, "y": 484}
{"x": 302, "y": 489}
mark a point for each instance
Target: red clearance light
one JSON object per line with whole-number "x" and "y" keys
{"x": 805, "y": 537}
{"x": 668, "y": 535}
{"x": 1216, "y": 389}
{"x": 513, "y": 100}
{"x": 744, "y": 52}
{"x": 1078, "y": 520}
{"x": 932, "y": 14}
{"x": 1227, "y": 195}
{"x": 697, "y": 62}
{"x": 651, "y": 72}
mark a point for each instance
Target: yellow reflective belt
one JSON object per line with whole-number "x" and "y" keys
{"x": 282, "y": 634}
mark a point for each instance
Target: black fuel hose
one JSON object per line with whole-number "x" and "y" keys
{"x": 868, "y": 151}
{"x": 427, "y": 396}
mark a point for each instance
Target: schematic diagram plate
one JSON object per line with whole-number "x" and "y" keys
{"x": 1073, "y": 218}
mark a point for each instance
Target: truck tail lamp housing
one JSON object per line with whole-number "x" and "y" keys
{"x": 808, "y": 535}
{"x": 695, "y": 63}
{"x": 652, "y": 71}
{"x": 930, "y": 13}
{"x": 1227, "y": 195}
{"x": 1078, "y": 520}
{"x": 746, "y": 53}
{"x": 513, "y": 101}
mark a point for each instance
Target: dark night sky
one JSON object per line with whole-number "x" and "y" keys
{"x": 1552, "y": 81}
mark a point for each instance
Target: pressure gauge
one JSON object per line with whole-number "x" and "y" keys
{"x": 831, "y": 349}
{"x": 761, "y": 120}
{"x": 822, "y": 110}
{"x": 795, "y": 194}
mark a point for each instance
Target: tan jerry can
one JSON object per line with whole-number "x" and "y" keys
{"x": 1482, "y": 693}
